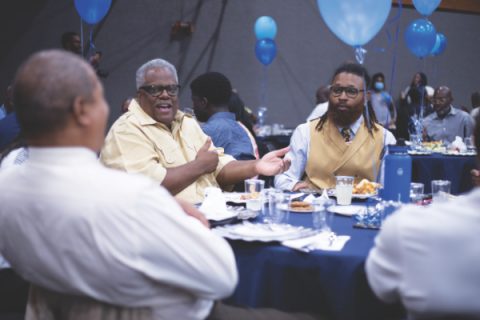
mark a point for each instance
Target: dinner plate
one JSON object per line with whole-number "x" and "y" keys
{"x": 460, "y": 154}
{"x": 346, "y": 210}
{"x": 361, "y": 196}
{"x": 419, "y": 153}
{"x": 262, "y": 232}
{"x": 297, "y": 210}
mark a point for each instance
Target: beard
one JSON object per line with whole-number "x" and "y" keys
{"x": 346, "y": 117}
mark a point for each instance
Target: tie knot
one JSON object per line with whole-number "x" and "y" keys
{"x": 346, "y": 134}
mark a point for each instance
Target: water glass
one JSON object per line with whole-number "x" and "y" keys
{"x": 440, "y": 190}
{"x": 322, "y": 216}
{"x": 278, "y": 206}
{"x": 469, "y": 144}
{"x": 416, "y": 140}
{"x": 253, "y": 188}
{"x": 416, "y": 191}
{"x": 343, "y": 190}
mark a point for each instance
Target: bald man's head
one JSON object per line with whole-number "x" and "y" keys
{"x": 45, "y": 88}
{"x": 442, "y": 100}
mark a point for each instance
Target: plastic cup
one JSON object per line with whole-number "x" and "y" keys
{"x": 343, "y": 190}
{"x": 416, "y": 191}
{"x": 322, "y": 216}
{"x": 253, "y": 188}
{"x": 440, "y": 190}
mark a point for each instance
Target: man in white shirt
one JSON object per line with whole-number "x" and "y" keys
{"x": 99, "y": 237}
{"x": 70, "y": 225}
{"x": 344, "y": 141}
{"x": 429, "y": 258}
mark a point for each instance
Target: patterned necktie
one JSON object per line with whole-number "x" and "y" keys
{"x": 346, "y": 134}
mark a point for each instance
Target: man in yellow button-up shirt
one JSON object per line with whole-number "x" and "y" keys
{"x": 156, "y": 139}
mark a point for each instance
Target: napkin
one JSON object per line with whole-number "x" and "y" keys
{"x": 319, "y": 241}
{"x": 458, "y": 145}
{"x": 261, "y": 230}
{"x": 214, "y": 206}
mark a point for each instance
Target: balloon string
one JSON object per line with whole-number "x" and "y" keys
{"x": 263, "y": 99}
{"x": 395, "y": 47}
{"x": 81, "y": 34}
{"x": 92, "y": 45}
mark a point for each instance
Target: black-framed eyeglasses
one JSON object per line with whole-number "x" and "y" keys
{"x": 156, "y": 91}
{"x": 351, "y": 92}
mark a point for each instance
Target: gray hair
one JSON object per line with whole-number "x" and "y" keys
{"x": 154, "y": 64}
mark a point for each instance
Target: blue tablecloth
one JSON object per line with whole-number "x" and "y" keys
{"x": 330, "y": 283}
{"x": 444, "y": 167}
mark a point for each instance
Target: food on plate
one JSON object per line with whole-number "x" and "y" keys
{"x": 433, "y": 146}
{"x": 301, "y": 206}
{"x": 250, "y": 196}
{"x": 365, "y": 187}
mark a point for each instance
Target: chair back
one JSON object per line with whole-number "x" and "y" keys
{"x": 44, "y": 304}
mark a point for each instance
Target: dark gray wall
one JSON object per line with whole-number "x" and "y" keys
{"x": 138, "y": 30}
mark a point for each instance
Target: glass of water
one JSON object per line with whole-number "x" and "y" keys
{"x": 322, "y": 216}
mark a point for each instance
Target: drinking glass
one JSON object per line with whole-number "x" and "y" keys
{"x": 416, "y": 140}
{"x": 440, "y": 190}
{"x": 279, "y": 207}
{"x": 322, "y": 216}
{"x": 469, "y": 144}
{"x": 343, "y": 190}
{"x": 416, "y": 191}
{"x": 253, "y": 188}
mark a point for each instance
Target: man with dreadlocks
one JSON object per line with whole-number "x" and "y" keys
{"x": 346, "y": 140}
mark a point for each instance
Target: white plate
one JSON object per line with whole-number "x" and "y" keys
{"x": 419, "y": 153}
{"x": 460, "y": 154}
{"x": 262, "y": 232}
{"x": 346, "y": 210}
{"x": 331, "y": 192}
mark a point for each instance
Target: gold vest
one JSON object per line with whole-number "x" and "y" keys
{"x": 329, "y": 155}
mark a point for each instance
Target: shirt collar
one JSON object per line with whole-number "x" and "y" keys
{"x": 354, "y": 126}
{"x": 61, "y": 155}
{"x": 222, "y": 115}
{"x": 146, "y": 120}
{"x": 452, "y": 112}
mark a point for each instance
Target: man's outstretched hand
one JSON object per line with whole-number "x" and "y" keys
{"x": 273, "y": 162}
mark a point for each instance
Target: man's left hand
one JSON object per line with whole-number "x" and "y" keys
{"x": 273, "y": 163}
{"x": 193, "y": 212}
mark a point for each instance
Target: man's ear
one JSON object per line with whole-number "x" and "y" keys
{"x": 81, "y": 111}
{"x": 369, "y": 95}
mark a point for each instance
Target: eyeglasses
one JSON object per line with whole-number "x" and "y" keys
{"x": 351, "y": 92}
{"x": 156, "y": 91}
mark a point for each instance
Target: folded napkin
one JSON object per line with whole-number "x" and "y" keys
{"x": 321, "y": 241}
{"x": 458, "y": 145}
{"x": 311, "y": 197}
{"x": 259, "y": 230}
{"x": 214, "y": 205}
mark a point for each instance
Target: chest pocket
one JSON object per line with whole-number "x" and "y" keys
{"x": 168, "y": 155}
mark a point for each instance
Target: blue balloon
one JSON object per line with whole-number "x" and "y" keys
{"x": 440, "y": 44}
{"x": 265, "y": 50}
{"x": 420, "y": 37}
{"x": 265, "y": 28}
{"x": 426, "y": 7}
{"x": 92, "y": 11}
{"x": 355, "y": 22}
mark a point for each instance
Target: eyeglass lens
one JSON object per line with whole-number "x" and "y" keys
{"x": 351, "y": 92}
{"x": 156, "y": 91}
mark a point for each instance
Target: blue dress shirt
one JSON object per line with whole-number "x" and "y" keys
{"x": 227, "y": 133}
{"x": 9, "y": 129}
